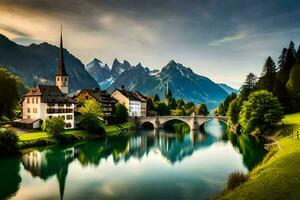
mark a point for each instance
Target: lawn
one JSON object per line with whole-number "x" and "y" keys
{"x": 110, "y": 130}
{"x": 277, "y": 177}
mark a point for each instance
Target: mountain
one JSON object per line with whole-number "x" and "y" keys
{"x": 227, "y": 88}
{"x": 182, "y": 81}
{"x": 100, "y": 72}
{"x": 117, "y": 67}
{"x": 39, "y": 62}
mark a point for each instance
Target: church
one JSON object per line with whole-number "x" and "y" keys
{"x": 47, "y": 101}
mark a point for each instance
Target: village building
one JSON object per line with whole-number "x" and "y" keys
{"x": 47, "y": 101}
{"x": 135, "y": 102}
{"x": 106, "y": 102}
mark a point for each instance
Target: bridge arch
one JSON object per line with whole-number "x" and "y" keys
{"x": 194, "y": 122}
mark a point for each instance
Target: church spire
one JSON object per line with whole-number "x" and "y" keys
{"x": 61, "y": 71}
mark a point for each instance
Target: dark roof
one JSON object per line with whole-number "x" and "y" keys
{"x": 61, "y": 71}
{"x": 99, "y": 95}
{"x": 50, "y": 94}
{"x": 136, "y": 96}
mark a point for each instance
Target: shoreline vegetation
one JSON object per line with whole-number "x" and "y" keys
{"x": 276, "y": 177}
{"x": 37, "y": 139}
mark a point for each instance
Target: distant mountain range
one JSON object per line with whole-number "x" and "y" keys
{"x": 38, "y": 62}
{"x": 182, "y": 81}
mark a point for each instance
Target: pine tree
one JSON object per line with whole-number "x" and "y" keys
{"x": 268, "y": 75}
{"x": 298, "y": 56}
{"x": 281, "y": 58}
{"x": 249, "y": 85}
{"x": 156, "y": 98}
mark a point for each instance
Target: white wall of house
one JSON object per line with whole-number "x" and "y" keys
{"x": 33, "y": 108}
{"x": 134, "y": 108}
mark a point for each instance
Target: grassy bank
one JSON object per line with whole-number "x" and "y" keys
{"x": 41, "y": 138}
{"x": 278, "y": 176}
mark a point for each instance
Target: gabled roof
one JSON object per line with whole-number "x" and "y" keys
{"x": 134, "y": 96}
{"x": 49, "y": 94}
{"x": 99, "y": 95}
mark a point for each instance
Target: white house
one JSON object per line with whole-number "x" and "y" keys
{"x": 47, "y": 101}
{"x": 135, "y": 102}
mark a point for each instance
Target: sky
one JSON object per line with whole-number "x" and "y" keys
{"x": 221, "y": 39}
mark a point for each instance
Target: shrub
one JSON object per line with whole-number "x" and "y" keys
{"x": 235, "y": 179}
{"x": 91, "y": 123}
{"x": 54, "y": 126}
{"x": 8, "y": 142}
{"x": 121, "y": 113}
{"x": 91, "y": 117}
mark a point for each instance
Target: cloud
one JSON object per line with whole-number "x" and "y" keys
{"x": 231, "y": 38}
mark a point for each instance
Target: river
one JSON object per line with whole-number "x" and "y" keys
{"x": 144, "y": 165}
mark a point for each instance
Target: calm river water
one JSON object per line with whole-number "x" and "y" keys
{"x": 145, "y": 165}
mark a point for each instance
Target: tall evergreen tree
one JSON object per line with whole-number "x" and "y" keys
{"x": 298, "y": 56}
{"x": 249, "y": 85}
{"x": 268, "y": 75}
{"x": 289, "y": 62}
{"x": 281, "y": 58}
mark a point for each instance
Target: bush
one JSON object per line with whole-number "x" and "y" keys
{"x": 54, "y": 126}
{"x": 91, "y": 117}
{"x": 235, "y": 179}
{"x": 8, "y": 142}
{"x": 91, "y": 123}
{"x": 121, "y": 113}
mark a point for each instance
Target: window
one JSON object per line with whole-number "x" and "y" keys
{"x": 69, "y": 105}
{"x": 57, "y": 79}
{"x": 28, "y": 100}
{"x": 65, "y": 79}
{"x": 69, "y": 117}
{"x": 50, "y": 116}
{"x": 28, "y": 117}
{"x": 50, "y": 104}
{"x": 68, "y": 125}
{"x": 32, "y": 100}
{"x": 37, "y": 100}
{"x": 34, "y": 110}
{"x": 28, "y": 110}
{"x": 60, "y": 105}
{"x": 63, "y": 117}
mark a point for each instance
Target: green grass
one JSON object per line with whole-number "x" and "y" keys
{"x": 110, "y": 130}
{"x": 292, "y": 119}
{"x": 278, "y": 176}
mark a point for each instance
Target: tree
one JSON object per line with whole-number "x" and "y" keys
{"x": 249, "y": 85}
{"x": 121, "y": 113}
{"x": 8, "y": 142}
{"x": 92, "y": 107}
{"x": 201, "y": 110}
{"x": 233, "y": 111}
{"x": 223, "y": 108}
{"x": 9, "y": 93}
{"x": 91, "y": 117}
{"x": 180, "y": 103}
{"x": 156, "y": 98}
{"x": 262, "y": 111}
{"x": 162, "y": 109}
{"x": 290, "y": 60}
{"x": 268, "y": 75}
{"x": 54, "y": 126}
{"x": 282, "y": 58}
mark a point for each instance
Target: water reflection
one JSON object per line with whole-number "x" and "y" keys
{"x": 197, "y": 165}
{"x": 10, "y": 178}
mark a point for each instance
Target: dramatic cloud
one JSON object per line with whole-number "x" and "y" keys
{"x": 221, "y": 39}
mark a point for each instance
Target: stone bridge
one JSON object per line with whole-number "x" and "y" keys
{"x": 193, "y": 121}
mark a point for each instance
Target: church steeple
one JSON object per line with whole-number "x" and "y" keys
{"x": 62, "y": 78}
{"x": 61, "y": 71}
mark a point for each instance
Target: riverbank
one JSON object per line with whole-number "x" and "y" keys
{"x": 277, "y": 176}
{"x": 41, "y": 138}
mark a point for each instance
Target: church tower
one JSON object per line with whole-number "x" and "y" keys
{"x": 62, "y": 78}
